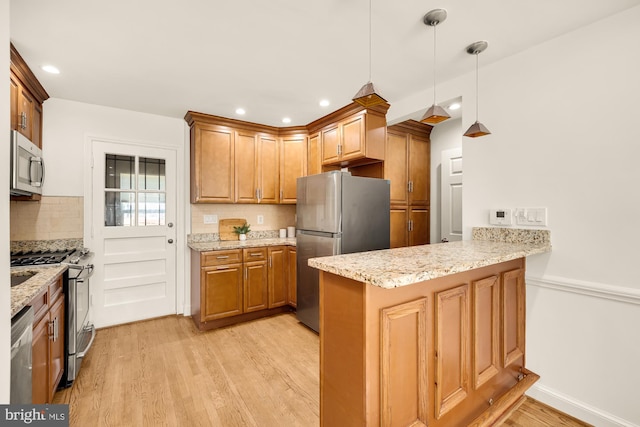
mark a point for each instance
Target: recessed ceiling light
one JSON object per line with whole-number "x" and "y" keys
{"x": 286, "y": 120}
{"x": 454, "y": 106}
{"x": 324, "y": 102}
{"x": 50, "y": 69}
{"x": 240, "y": 111}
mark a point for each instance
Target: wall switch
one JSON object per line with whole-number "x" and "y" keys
{"x": 531, "y": 216}
{"x": 260, "y": 219}
{"x": 211, "y": 219}
{"x": 500, "y": 216}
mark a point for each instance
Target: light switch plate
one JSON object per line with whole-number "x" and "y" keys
{"x": 211, "y": 219}
{"x": 536, "y": 217}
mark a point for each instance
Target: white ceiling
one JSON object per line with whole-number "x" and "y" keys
{"x": 274, "y": 58}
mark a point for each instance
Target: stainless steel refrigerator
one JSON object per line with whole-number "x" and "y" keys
{"x": 336, "y": 213}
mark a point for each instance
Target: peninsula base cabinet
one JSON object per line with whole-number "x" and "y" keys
{"x": 444, "y": 352}
{"x": 232, "y": 286}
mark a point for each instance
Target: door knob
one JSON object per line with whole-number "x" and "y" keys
{"x": 170, "y": 240}
{"x": 170, "y": 225}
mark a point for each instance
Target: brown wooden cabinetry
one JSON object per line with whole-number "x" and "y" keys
{"x": 48, "y": 343}
{"x": 407, "y": 166}
{"x": 293, "y": 164}
{"x": 292, "y": 280}
{"x": 212, "y": 164}
{"x": 443, "y": 352}
{"x": 314, "y": 155}
{"x": 232, "y": 286}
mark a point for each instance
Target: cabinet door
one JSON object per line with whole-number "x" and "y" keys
{"x": 418, "y": 226}
{"x": 15, "y": 89}
{"x": 56, "y": 345}
{"x": 25, "y": 112}
{"x": 40, "y": 362}
{"x": 419, "y": 171}
{"x": 36, "y": 129}
{"x": 396, "y": 167}
{"x": 212, "y": 165}
{"x": 255, "y": 286}
{"x": 314, "y": 155}
{"x": 268, "y": 167}
{"x": 277, "y": 277}
{"x": 352, "y": 138}
{"x": 330, "y": 142}
{"x": 246, "y": 173}
{"x": 398, "y": 227}
{"x": 292, "y": 161}
{"x": 222, "y": 291}
{"x": 292, "y": 267}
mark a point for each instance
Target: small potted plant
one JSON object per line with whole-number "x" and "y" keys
{"x": 242, "y": 230}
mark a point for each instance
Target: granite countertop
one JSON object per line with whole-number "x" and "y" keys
{"x": 391, "y": 268}
{"x": 240, "y": 244}
{"x": 23, "y": 293}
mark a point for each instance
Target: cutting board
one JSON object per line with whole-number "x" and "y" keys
{"x": 225, "y": 228}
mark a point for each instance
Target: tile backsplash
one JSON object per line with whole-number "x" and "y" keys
{"x": 51, "y": 218}
{"x": 275, "y": 216}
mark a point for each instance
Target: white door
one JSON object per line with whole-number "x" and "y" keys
{"x": 133, "y": 229}
{"x": 451, "y": 194}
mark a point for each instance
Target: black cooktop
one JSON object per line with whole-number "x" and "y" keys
{"x": 38, "y": 258}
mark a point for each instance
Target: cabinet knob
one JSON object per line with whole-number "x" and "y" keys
{"x": 170, "y": 240}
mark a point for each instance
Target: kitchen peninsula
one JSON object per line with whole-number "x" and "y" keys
{"x": 426, "y": 335}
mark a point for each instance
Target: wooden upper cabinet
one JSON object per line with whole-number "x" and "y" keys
{"x": 352, "y": 138}
{"x": 292, "y": 166}
{"x": 314, "y": 155}
{"x": 330, "y": 145}
{"x": 246, "y": 173}
{"x": 27, "y": 97}
{"x": 212, "y": 164}
{"x": 396, "y": 167}
{"x": 419, "y": 171}
{"x": 268, "y": 169}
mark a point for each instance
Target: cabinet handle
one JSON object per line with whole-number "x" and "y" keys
{"x": 281, "y": 194}
{"x": 246, "y": 273}
{"x": 269, "y": 262}
{"x": 50, "y": 330}
{"x": 255, "y": 254}
{"x": 410, "y": 186}
{"x": 339, "y": 149}
{"x": 56, "y": 329}
{"x": 222, "y": 257}
{"x": 222, "y": 267}
{"x": 23, "y": 120}
{"x": 410, "y": 225}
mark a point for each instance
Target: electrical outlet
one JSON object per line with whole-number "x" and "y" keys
{"x": 211, "y": 219}
{"x": 260, "y": 219}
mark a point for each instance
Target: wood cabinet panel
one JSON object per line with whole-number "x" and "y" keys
{"x": 330, "y": 143}
{"x": 255, "y": 286}
{"x": 277, "y": 277}
{"x": 56, "y": 349}
{"x": 419, "y": 224}
{"x": 403, "y": 358}
{"x": 212, "y": 165}
{"x": 419, "y": 171}
{"x": 399, "y": 228}
{"x": 486, "y": 329}
{"x": 246, "y": 173}
{"x": 396, "y": 168}
{"x": 352, "y": 138}
{"x": 268, "y": 166}
{"x": 210, "y": 258}
{"x": 40, "y": 362}
{"x": 292, "y": 166}
{"x": 451, "y": 348}
{"x": 222, "y": 289}
{"x": 14, "y": 90}
{"x": 513, "y": 316}
{"x": 292, "y": 278}
{"x": 314, "y": 155}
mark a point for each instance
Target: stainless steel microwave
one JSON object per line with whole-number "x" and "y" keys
{"x": 27, "y": 166}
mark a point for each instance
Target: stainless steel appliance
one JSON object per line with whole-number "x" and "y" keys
{"x": 21, "y": 336}
{"x": 27, "y": 166}
{"x": 80, "y": 331}
{"x": 336, "y": 213}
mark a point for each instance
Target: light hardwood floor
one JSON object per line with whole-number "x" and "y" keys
{"x": 261, "y": 373}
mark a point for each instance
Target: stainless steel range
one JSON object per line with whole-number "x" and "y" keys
{"x": 80, "y": 332}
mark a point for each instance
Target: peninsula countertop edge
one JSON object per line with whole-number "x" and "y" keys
{"x": 392, "y": 268}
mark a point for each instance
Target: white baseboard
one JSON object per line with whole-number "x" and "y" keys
{"x": 576, "y": 408}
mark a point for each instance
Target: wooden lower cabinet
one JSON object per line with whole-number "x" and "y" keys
{"x": 47, "y": 348}
{"x": 409, "y": 226}
{"x": 292, "y": 279}
{"x": 232, "y": 286}
{"x": 443, "y": 352}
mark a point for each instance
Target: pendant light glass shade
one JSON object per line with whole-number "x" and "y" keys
{"x": 367, "y": 96}
{"x": 434, "y": 114}
{"x": 477, "y": 129}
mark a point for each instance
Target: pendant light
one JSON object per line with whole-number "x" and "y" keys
{"x": 435, "y": 114}
{"x": 477, "y": 129}
{"x": 367, "y": 96}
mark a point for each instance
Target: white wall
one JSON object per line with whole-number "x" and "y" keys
{"x": 563, "y": 117}
{"x": 444, "y": 136}
{"x": 5, "y": 126}
{"x": 67, "y": 127}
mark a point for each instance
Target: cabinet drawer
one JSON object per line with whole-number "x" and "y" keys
{"x": 220, "y": 257}
{"x": 40, "y": 305}
{"x": 255, "y": 254}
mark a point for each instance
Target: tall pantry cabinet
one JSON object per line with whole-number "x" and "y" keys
{"x": 407, "y": 166}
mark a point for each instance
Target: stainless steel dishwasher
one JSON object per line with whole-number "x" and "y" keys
{"x": 21, "y": 337}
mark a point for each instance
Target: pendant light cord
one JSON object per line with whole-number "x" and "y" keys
{"x": 477, "y": 85}
{"x": 434, "y": 63}
{"x": 370, "y": 43}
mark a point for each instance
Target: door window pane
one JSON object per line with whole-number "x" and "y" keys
{"x": 119, "y": 208}
{"x": 151, "y": 209}
{"x": 151, "y": 174}
{"x": 119, "y": 172}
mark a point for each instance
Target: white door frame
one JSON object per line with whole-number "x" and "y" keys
{"x": 182, "y": 209}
